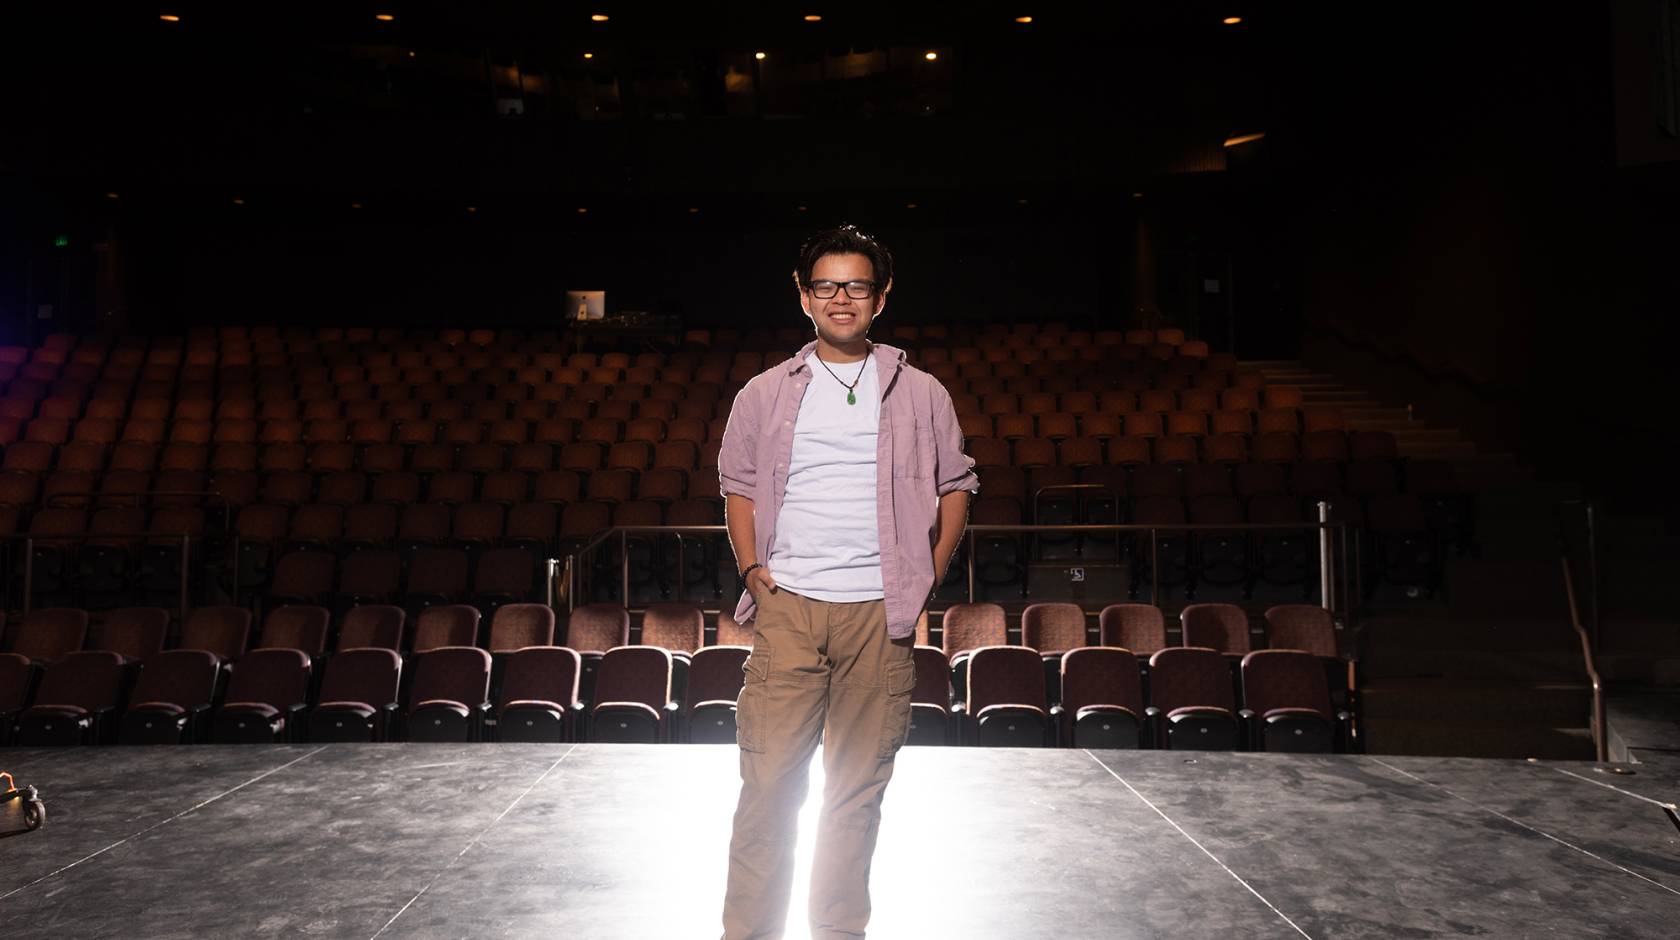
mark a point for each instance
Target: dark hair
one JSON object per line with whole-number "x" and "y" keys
{"x": 845, "y": 240}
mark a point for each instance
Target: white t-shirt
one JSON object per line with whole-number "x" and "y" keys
{"x": 828, "y": 537}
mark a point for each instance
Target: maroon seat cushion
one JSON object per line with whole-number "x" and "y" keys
{"x": 255, "y": 708}
{"x": 357, "y": 708}
{"x": 445, "y": 704}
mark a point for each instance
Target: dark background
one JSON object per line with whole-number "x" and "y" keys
{"x": 1466, "y": 207}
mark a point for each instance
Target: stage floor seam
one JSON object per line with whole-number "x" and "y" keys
{"x": 474, "y": 840}
{"x": 1611, "y": 786}
{"x": 1159, "y": 812}
{"x": 1534, "y": 829}
{"x": 163, "y": 822}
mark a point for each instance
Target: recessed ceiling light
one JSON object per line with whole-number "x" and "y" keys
{"x": 355, "y": 205}
{"x": 411, "y": 53}
{"x": 1231, "y": 20}
{"x": 1023, "y": 19}
{"x": 813, "y": 18}
{"x": 801, "y": 208}
{"x": 238, "y": 201}
{"x": 1137, "y": 195}
{"x": 1020, "y": 202}
{"x": 169, "y": 18}
{"x": 111, "y": 196}
{"x": 1243, "y": 139}
{"x": 472, "y": 208}
{"x": 582, "y": 209}
{"x": 909, "y": 205}
{"x": 931, "y": 55}
{"x": 759, "y": 55}
{"x": 384, "y": 17}
{"x": 598, "y": 17}
{"x": 589, "y": 55}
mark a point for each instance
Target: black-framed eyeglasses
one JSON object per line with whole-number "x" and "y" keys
{"x": 857, "y": 290}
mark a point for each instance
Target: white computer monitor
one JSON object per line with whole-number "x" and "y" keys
{"x": 586, "y": 304}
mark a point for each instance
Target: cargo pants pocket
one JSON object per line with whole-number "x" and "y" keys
{"x": 750, "y": 705}
{"x": 895, "y": 724}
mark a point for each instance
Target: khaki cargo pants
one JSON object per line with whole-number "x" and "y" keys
{"x": 827, "y": 669}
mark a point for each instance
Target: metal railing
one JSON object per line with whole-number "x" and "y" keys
{"x": 1336, "y": 575}
{"x": 140, "y": 538}
{"x": 1589, "y": 633}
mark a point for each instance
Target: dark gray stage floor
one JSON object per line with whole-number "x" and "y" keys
{"x": 611, "y": 841}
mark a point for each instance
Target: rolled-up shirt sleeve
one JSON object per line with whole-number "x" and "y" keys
{"x": 955, "y": 469}
{"x": 738, "y": 457}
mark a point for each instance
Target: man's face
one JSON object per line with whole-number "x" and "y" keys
{"x": 843, "y": 319}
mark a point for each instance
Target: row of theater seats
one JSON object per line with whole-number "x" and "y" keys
{"x": 361, "y": 677}
{"x": 697, "y": 419}
{"x": 109, "y": 409}
{"x": 58, "y": 685}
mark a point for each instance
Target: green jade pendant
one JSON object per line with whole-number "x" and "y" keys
{"x": 851, "y": 399}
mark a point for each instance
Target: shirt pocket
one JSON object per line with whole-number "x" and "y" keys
{"x": 913, "y": 449}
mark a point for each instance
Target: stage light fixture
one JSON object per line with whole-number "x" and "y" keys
{"x": 472, "y": 209}
{"x": 813, "y": 18}
{"x": 693, "y": 209}
{"x": 582, "y": 209}
{"x": 759, "y": 56}
{"x": 1137, "y": 195}
{"x": 598, "y": 17}
{"x": 411, "y": 53}
{"x": 909, "y": 205}
{"x": 238, "y": 201}
{"x": 112, "y": 196}
{"x": 931, "y": 55}
{"x": 169, "y": 18}
{"x": 384, "y": 17}
{"x": 1243, "y": 139}
{"x": 589, "y": 55}
{"x": 801, "y": 208}
{"x": 1023, "y": 19}
{"x": 355, "y": 205}
{"x": 1231, "y": 20}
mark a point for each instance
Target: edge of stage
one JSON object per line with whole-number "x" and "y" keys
{"x": 608, "y": 841}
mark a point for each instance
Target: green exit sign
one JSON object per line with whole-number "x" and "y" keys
{"x": 61, "y": 241}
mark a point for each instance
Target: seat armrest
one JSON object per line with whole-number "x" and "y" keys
{"x": 102, "y": 724}
{"x": 294, "y": 713}
{"x": 198, "y": 723}
{"x": 668, "y": 717}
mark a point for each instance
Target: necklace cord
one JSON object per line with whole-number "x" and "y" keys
{"x": 838, "y": 378}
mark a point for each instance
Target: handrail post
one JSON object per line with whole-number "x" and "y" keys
{"x": 28, "y": 573}
{"x": 572, "y": 568}
{"x": 1326, "y": 586}
{"x": 569, "y": 578}
{"x": 1600, "y": 718}
{"x": 1154, "y": 569}
{"x": 1592, "y": 571}
{"x": 970, "y": 536}
{"x": 682, "y": 568}
{"x": 185, "y": 555}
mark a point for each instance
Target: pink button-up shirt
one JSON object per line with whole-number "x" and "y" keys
{"x": 919, "y": 458}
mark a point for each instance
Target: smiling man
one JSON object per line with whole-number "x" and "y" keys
{"x": 847, "y": 491}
